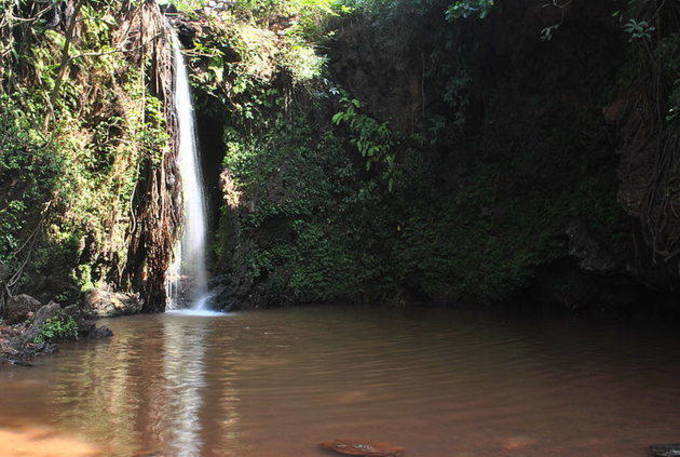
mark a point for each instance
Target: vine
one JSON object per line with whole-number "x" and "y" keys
{"x": 374, "y": 140}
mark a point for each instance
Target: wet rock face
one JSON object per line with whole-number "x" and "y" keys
{"x": 106, "y": 303}
{"x": 591, "y": 254}
{"x": 20, "y": 308}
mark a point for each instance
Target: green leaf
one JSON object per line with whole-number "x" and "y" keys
{"x": 338, "y": 118}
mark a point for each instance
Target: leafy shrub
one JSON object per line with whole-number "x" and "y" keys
{"x": 469, "y": 8}
{"x": 57, "y": 328}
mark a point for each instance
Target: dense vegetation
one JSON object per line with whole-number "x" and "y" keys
{"x": 445, "y": 153}
{"x": 79, "y": 129}
{"x": 380, "y": 151}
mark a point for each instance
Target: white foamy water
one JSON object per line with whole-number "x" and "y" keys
{"x": 189, "y": 268}
{"x": 195, "y": 312}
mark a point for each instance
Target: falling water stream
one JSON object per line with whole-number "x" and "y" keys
{"x": 188, "y": 277}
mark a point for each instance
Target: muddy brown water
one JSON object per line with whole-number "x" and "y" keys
{"x": 274, "y": 384}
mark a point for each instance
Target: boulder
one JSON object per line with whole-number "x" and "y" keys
{"x": 106, "y": 303}
{"x": 665, "y": 450}
{"x": 86, "y": 326}
{"x": 20, "y": 308}
{"x": 75, "y": 312}
{"x": 43, "y": 315}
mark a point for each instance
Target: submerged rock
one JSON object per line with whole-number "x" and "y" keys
{"x": 99, "y": 332}
{"x": 106, "y": 303}
{"x": 17, "y": 362}
{"x": 20, "y": 308}
{"x": 363, "y": 448}
{"x": 665, "y": 450}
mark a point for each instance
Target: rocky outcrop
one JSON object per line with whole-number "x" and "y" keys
{"x": 157, "y": 208}
{"x": 21, "y": 343}
{"x": 86, "y": 325}
{"x": 524, "y": 188}
{"x": 20, "y": 308}
{"x": 106, "y": 303}
{"x": 44, "y": 314}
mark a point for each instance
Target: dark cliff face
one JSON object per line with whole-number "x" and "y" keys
{"x": 562, "y": 181}
{"x": 522, "y": 151}
{"x": 515, "y": 153}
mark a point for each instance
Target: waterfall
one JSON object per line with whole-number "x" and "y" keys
{"x": 188, "y": 277}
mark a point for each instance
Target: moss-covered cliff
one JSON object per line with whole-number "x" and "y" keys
{"x": 85, "y": 149}
{"x": 444, "y": 157}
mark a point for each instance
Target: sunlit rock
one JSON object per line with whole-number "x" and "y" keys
{"x": 106, "y": 303}
{"x": 20, "y": 308}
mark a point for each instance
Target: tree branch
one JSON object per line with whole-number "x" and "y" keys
{"x": 63, "y": 66}
{"x": 114, "y": 51}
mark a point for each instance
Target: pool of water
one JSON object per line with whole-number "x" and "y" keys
{"x": 276, "y": 383}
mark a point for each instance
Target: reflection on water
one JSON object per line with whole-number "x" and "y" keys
{"x": 273, "y": 384}
{"x": 183, "y": 371}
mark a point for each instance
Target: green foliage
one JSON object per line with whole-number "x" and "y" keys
{"x": 240, "y": 52}
{"x": 469, "y": 8}
{"x": 57, "y": 328}
{"x": 374, "y": 140}
{"x": 479, "y": 202}
{"x": 153, "y": 137}
{"x": 667, "y": 54}
{"x": 653, "y": 51}
{"x": 72, "y": 157}
{"x": 301, "y": 250}
{"x": 29, "y": 173}
{"x": 328, "y": 198}
{"x": 639, "y": 29}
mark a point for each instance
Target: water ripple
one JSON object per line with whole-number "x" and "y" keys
{"x": 273, "y": 384}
